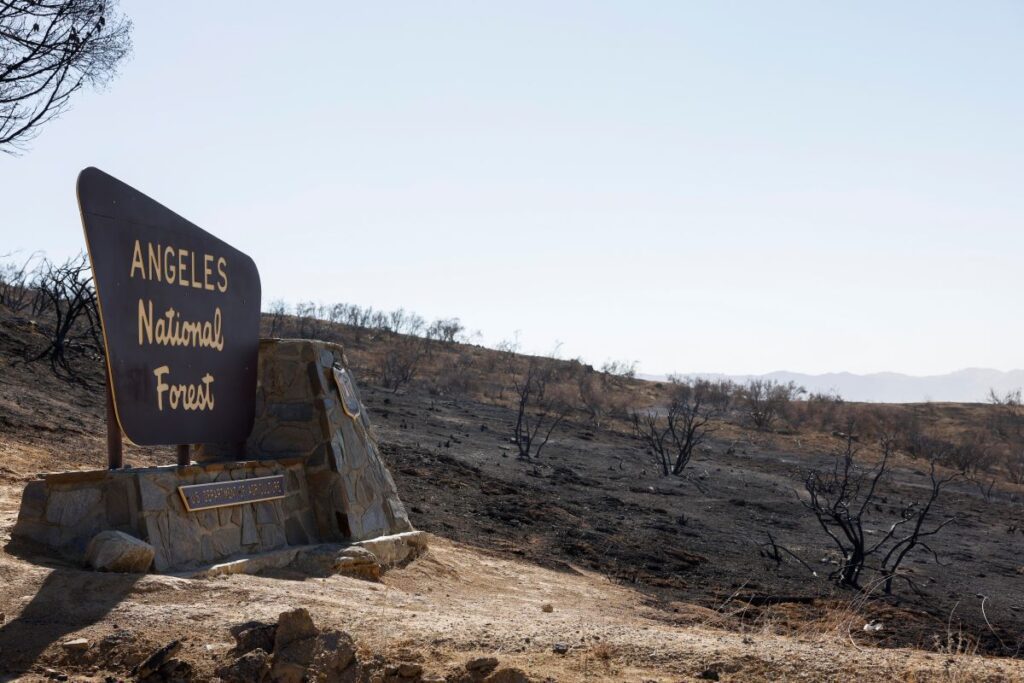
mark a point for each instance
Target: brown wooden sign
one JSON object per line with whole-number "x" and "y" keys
{"x": 181, "y": 314}
{"x": 223, "y": 493}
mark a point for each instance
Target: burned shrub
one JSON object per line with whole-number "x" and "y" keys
{"x": 845, "y": 496}
{"x": 455, "y": 374}
{"x": 670, "y": 436}
{"x": 399, "y": 364}
{"x": 542, "y": 401}
{"x": 766, "y": 400}
{"x": 66, "y": 302}
{"x": 16, "y": 291}
{"x": 275, "y": 319}
{"x": 599, "y": 394}
{"x": 311, "y": 321}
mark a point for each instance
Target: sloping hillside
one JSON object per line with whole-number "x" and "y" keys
{"x": 672, "y": 574}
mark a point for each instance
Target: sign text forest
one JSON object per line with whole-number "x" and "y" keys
{"x": 180, "y": 312}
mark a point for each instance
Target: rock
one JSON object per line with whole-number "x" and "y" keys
{"x": 547, "y": 607}
{"x": 708, "y": 675}
{"x": 336, "y": 653}
{"x": 300, "y": 653}
{"x": 318, "y": 560}
{"x": 116, "y": 551}
{"x": 153, "y": 663}
{"x": 285, "y": 671}
{"x": 560, "y": 648}
{"x": 409, "y": 670}
{"x": 254, "y": 635}
{"x": 76, "y": 645}
{"x": 507, "y": 675}
{"x": 174, "y": 671}
{"x": 396, "y": 549}
{"x": 252, "y": 667}
{"x": 294, "y": 646}
{"x": 358, "y": 562}
{"x": 293, "y": 625}
{"x": 119, "y": 638}
{"x": 327, "y": 560}
{"x": 481, "y": 666}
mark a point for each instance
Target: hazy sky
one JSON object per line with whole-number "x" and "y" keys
{"x": 714, "y": 186}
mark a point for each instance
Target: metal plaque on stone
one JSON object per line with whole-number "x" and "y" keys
{"x": 347, "y": 389}
{"x": 223, "y": 493}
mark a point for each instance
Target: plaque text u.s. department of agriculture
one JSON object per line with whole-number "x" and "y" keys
{"x": 222, "y": 493}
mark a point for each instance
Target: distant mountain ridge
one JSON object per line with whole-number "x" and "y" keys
{"x": 970, "y": 385}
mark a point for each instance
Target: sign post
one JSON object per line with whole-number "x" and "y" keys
{"x": 180, "y": 312}
{"x": 184, "y": 457}
{"x": 114, "y": 445}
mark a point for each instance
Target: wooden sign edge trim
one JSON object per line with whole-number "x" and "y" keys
{"x": 188, "y": 508}
{"x": 99, "y": 300}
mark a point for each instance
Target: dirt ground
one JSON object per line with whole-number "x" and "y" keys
{"x": 648, "y": 578}
{"x": 453, "y": 604}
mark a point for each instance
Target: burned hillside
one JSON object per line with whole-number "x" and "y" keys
{"x": 730, "y": 532}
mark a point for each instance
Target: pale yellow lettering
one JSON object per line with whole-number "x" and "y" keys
{"x": 182, "y": 253}
{"x": 155, "y": 264}
{"x": 145, "y": 322}
{"x": 185, "y": 396}
{"x": 207, "y": 271}
{"x": 170, "y": 272}
{"x": 137, "y": 262}
{"x": 161, "y": 386}
{"x": 222, "y": 271}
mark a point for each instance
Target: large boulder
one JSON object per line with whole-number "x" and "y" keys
{"x": 294, "y": 646}
{"x": 304, "y": 653}
{"x": 335, "y": 657}
{"x": 327, "y": 560}
{"x": 396, "y": 549}
{"x": 116, "y": 551}
{"x": 358, "y": 562}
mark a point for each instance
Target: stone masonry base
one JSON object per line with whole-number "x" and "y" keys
{"x": 337, "y": 488}
{"x": 63, "y": 511}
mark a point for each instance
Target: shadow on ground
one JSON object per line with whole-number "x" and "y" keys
{"x": 67, "y": 601}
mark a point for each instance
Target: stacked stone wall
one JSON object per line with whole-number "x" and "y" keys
{"x": 64, "y": 511}
{"x": 185, "y": 539}
{"x": 299, "y": 414}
